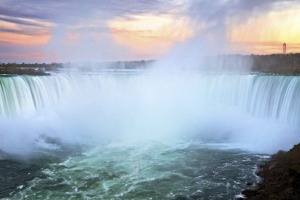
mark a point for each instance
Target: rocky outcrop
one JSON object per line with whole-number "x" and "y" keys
{"x": 281, "y": 177}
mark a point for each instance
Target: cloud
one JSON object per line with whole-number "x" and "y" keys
{"x": 85, "y": 22}
{"x": 57, "y": 11}
{"x": 150, "y": 33}
{"x": 20, "y": 21}
{"x": 89, "y": 22}
{"x": 217, "y": 18}
{"x": 12, "y": 53}
{"x": 24, "y": 9}
{"x": 30, "y": 32}
{"x": 221, "y": 10}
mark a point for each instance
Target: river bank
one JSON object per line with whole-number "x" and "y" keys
{"x": 275, "y": 64}
{"x": 281, "y": 177}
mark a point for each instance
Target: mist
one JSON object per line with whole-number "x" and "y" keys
{"x": 150, "y": 107}
{"x": 186, "y": 96}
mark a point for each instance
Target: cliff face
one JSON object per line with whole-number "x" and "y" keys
{"x": 281, "y": 177}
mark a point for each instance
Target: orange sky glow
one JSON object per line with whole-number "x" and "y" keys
{"x": 150, "y": 36}
{"x": 24, "y": 40}
{"x": 17, "y": 36}
{"x": 267, "y": 33}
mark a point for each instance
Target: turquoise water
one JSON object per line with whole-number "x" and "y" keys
{"x": 141, "y": 135}
{"x": 169, "y": 170}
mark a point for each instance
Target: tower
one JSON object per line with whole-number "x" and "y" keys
{"x": 284, "y": 48}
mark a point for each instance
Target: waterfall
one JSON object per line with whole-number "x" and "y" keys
{"x": 275, "y": 97}
{"x": 29, "y": 93}
{"x": 134, "y": 107}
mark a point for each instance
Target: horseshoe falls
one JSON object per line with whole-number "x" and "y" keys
{"x": 143, "y": 135}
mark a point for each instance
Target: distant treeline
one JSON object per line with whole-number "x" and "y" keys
{"x": 286, "y": 64}
{"x": 46, "y": 68}
{"x": 28, "y": 68}
{"x": 277, "y": 63}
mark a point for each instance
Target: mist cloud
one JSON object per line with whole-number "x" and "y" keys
{"x": 60, "y": 19}
{"x": 220, "y": 15}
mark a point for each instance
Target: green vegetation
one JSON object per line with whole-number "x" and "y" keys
{"x": 28, "y": 69}
{"x": 284, "y": 64}
{"x": 287, "y": 64}
{"x": 10, "y": 69}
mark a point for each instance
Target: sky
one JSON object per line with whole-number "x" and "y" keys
{"x": 111, "y": 30}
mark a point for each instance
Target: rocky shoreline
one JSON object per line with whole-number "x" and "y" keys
{"x": 281, "y": 177}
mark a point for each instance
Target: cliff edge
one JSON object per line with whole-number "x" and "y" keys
{"x": 281, "y": 177}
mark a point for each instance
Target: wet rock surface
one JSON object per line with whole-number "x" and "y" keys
{"x": 281, "y": 177}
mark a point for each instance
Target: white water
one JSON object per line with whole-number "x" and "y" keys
{"x": 151, "y": 171}
{"x": 259, "y": 113}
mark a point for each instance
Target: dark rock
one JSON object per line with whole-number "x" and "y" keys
{"x": 281, "y": 177}
{"x": 249, "y": 193}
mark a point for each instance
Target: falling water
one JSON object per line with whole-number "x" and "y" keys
{"x": 273, "y": 97}
{"x": 141, "y": 130}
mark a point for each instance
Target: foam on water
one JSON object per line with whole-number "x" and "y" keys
{"x": 243, "y": 109}
{"x": 154, "y": 170}
{"x": 146, "y": 135}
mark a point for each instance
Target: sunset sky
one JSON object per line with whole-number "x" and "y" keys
{"x": 109, "y": 30}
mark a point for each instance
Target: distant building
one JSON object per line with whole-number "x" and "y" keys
{"x": 284, "y": 48}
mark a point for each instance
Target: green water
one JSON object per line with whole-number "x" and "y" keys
{"x": 156, "y": 170}
{"x": 151, "y": 111}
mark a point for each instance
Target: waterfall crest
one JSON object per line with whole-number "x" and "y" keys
{"x": 242, "y": 109}
{"x": 275, "y": 97}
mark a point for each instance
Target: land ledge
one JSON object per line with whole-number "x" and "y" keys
{"x": 275, "y": 64}
{"x": 280, "y": 177}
